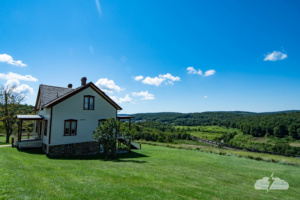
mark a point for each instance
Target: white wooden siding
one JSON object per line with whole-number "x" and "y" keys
{"x": 46, "y": 112}
{"x": 87, "y": 120}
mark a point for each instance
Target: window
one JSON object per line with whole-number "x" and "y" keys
{"x": 100, "y": 121}
{"x": 68, "y": 146}
{"x": 70, "y": 127}
{"x": 88, "y": 103}
{"x": 45, "y": 127}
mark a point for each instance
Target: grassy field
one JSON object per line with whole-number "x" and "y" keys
{"x": 155, "y": 172}
{"x": 208, "y": 132}
{"x": 240, "y": 139}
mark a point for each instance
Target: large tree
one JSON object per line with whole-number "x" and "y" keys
{"x": 9, "y": 103}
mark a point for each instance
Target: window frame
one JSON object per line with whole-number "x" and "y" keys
{"x": 88, "y": 99}
{"x": 70, "y": 127}
{"x": 101, "y": 120}
{"x": 45, "y": 127}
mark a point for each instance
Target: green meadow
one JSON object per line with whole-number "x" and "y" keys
{"x": 155, "y": 172}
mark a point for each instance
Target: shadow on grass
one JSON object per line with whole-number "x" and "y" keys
{"x": 32, "y": 151}
{"x": 120, "y": 157}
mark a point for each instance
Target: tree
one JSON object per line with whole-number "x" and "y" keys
{"x": 293, "y": 130}
{"x": 9, "y": 103}
{"x": 106, "y": 135}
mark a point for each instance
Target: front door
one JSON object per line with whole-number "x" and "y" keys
{"x": 39, "y": 129}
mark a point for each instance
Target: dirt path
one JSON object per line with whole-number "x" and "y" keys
{"x": 7, "y": 145}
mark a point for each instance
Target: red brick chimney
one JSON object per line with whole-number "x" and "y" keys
{"x": 83, "y": 81}
{"x": 70, "y": 85}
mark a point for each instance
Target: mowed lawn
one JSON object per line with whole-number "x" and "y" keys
{"x": 154, "y": 172}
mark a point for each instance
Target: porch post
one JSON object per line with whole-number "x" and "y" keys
{"x": 20, "y": 131}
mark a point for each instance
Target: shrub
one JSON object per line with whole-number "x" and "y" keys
{"x": 258, "y": 158}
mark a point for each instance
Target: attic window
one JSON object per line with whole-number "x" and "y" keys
{"x": 88, "y": 103}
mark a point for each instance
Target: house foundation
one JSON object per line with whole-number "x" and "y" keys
{"x": 84, "y": 148}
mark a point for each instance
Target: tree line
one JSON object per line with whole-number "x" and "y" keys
{"x": 258, "y": 125}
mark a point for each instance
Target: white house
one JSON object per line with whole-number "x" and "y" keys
{"x": 66, "y": 118}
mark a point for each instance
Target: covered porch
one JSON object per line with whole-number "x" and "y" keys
{"x": 31, "y": 139}
{"x": 133, "y": 144}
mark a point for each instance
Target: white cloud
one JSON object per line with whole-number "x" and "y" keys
{"x": 98, "y": 7}
{"x": 24, "y": 89}
{"x": 11, "y": 75}
{"x": 12, "y": 82}
{"x": 170, "y": 77}
{"x": 126, "y": 99}
{"x": 209, "y": 72}
{"x": 138, "y": 78}
{"x": 160, "y": 79}
{"x": 153, "y": 81}
{"x": 275, "y": 55}
{"x": 205, "y": 97}
{"x": 108, "y": 86}
{"x": 9, "y": 60}
{"x": 191, "y": 70}
{"x": 144, "y": 94}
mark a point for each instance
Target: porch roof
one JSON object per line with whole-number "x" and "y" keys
{"x": 30, "y": 117}
{"x": 125, "y": 117}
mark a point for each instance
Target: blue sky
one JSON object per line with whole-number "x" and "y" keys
{"x": 157, "y": 56}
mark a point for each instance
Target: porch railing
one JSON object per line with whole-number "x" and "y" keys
{"x": 31, "y": 136}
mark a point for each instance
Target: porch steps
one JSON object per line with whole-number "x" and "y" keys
{"x": 28, "y": 144}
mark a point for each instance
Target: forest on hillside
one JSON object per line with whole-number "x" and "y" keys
{"x": 279, "y": 124}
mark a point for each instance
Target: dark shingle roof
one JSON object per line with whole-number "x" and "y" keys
{"x": 49, "y": 93}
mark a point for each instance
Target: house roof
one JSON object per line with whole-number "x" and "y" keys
{"x": 51, "y": 95}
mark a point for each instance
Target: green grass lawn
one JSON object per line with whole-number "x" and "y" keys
{"x": 154, "y": 172}
{"x": 3, "y": 140}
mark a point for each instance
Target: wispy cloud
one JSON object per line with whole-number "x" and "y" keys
{"x": 126, "y": 99}
{"x": 9, "y": 60}
{"x": 169, "y": 77}
{"x": 98, "y": 7}
{"x": 108, "y": 86}
{"x": 11, "y": 76}
{"x": 275, "y": 55}
{"x": 205, "y": 97}
{"x": 157, "y": 81}
{"x": 138, "y": 78}
{"x": 144, "y": 94}
{"x": 192, "y": 70}
{"x": 91, "y": 49}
